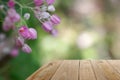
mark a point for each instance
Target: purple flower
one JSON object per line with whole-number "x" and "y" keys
{"x": 15, "y": 18}
{"x": 11, "y": 12}
{"x": 26, "y": 48}
{"x": 28, "y": 33}
{"x": 10, "y": 19}
{"x": 19, "y": 42}
{"x": 24, "y": 32}
{"x": 14, "y": 52}
{"x": 11, "y": 3}
{"x": 47, "y": 26}
{"x": 33, "y": 33}
{"x": 38, "y": 2}
{"x": 50, "y": 2}
{"x": 13, "y": 15}
{"x": 54, "y": 32}
{"x": 55, "y": 19}
{"x": 7, "y": 24}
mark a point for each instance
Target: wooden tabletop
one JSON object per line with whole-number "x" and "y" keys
{"x": 79, "y": 70}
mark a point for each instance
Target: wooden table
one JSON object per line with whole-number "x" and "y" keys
{"x": 79, "y": 70}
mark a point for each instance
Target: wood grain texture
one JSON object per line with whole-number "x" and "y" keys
{"x": 108, "y": 71}
{"x": 45, "y": 72}
{"x": 86, "y": 71}
{"x": 68, "y": 68}
{"x": 98, "y": 73}
{"x": 115, "y": 65}
{"x": 79, "y": 70}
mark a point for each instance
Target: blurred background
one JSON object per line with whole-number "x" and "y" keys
{"x": 89, "y": 29}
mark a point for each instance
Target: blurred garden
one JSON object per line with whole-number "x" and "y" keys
{"x": 89, "y": 29}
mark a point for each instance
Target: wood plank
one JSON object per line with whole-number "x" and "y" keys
{"x": 67, "y": 71}
{"x": 79, "y": 70}
{"x": 86, "y": 71}
{"x": 45, "y": 72}
{"x": 98, "y": 73}
{"x": 108, "y": 71}
{"x": 115, "y": 64}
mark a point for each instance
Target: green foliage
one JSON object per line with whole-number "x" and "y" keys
{"x": 22, "y": 66}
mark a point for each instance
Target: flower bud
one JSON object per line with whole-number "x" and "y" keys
{"x": 51, "y": 8}
{"x": 14, "y": 52}
{"x": 19, "y": 42}
{"x": 26, "y": 48}
{"x": 11, "y": 3}
{"x": 27, "y": 16}
{"x": 24, "y": 32}
{"x": 55, "y": 19}
{"x": 45, "y": 15}
{"x": 54, "y": 32}
{"x": 33, "y": 33}
{"x": 38, "y": 2}
{"x": 13, "y": 15}
{"x": 7, "y": 24}
{"x": 50, "y": 2}
{"x": 47, "y": 26}
{"x": 16, "y": 18}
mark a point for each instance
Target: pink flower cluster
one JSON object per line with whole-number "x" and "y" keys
{"x": 42, "y": 13}
{"x": 10, "y": 20}
{"x": 25, "y": 33}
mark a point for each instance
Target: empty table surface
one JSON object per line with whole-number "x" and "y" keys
{"x": 79, "y": 70}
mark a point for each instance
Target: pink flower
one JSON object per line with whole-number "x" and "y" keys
{"x": 55, "y": 19}
{"x": 33, "y": 33}
{"x": 13, "y": 15}
{"x": 19, "y": 42}
{"x": 24, "y": 32}
{"x": 38, "y": 2}
{"x": 47, "y": 26}
{"x": 15, "y": 18}
{"x": 11, "y": 3}
{"x": 26, "y": 48}
{"x": 11, "y": 12}
{"x": 54, "y": 32}
{"x": 10, "y": 19}
{"x": 14, "y": 52}
{"x": 7, "y": 24}
{"x": 28, "y": 33}
{"x": 50, "y": 2}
